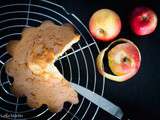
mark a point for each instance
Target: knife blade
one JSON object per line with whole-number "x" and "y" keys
{"x": 98, "y": 100}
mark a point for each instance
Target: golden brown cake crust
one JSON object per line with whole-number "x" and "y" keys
{"x": 38, "y": 48}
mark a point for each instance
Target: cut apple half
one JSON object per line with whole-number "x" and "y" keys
{"x": 124, "y": 60}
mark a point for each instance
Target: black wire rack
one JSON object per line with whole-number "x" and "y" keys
{"x": 77, "y": 64}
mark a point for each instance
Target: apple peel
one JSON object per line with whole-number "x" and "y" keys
{"x": 120, "y": 78}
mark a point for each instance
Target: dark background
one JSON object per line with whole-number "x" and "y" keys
{"x": 139, "y": 97}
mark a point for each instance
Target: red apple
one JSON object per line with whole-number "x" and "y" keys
{"x": 143, "y": 21}
{"x": 105, "y": 25}
{"x": 124, "y": 60}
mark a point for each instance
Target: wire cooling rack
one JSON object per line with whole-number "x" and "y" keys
{"x": 77, "y": 64}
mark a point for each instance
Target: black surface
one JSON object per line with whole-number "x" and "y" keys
{"x": 13, "y": 20}
{"x": 138, "y": 97}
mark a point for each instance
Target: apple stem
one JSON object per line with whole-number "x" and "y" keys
{"x": 144, "y": 17}
{"x": 126, "y": 60}
{"x": 100, "y": 32}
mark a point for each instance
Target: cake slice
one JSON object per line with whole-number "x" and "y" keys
{"x": 32, "y": 56}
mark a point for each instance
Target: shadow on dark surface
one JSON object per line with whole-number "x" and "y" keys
{"x": 139, "y": 97}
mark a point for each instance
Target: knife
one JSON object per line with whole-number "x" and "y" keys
{"x": 98, "y": 100}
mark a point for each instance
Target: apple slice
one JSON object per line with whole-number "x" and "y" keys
{"x": 124, "y": 60}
